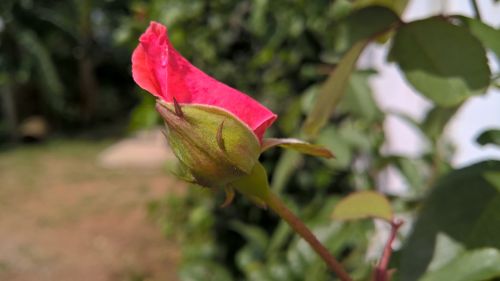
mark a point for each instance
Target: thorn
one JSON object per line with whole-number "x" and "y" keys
{"x": 163, "y": 110}
{"x": 220, "y": 140}
{"x": 229, "y": 196}
{"x": 178, "y": 110}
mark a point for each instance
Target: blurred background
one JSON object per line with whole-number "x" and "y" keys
{"x": 85, "y": 187}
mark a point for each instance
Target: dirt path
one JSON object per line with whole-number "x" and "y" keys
{"x": 64, "y": 218}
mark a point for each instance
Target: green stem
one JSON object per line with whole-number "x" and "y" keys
{"x": 275, "y": 203}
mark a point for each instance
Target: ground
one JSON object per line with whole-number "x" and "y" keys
{"x": 62, "y": 217}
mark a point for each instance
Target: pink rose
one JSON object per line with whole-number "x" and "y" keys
{"x": 158, "y": 68}
{"x": 215, "y": 131}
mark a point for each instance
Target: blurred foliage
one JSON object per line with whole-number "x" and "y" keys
{"x": 70, "y": 61}
{"x": 62, "y": 60}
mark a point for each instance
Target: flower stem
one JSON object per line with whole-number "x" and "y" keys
{"x": 275, "y": 203}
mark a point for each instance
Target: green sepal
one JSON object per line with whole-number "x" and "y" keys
{"x": 211, "y": 143}
{"x": 254, "y": 186}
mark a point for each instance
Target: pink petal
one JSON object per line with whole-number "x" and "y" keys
{"x": 158, "y": 68}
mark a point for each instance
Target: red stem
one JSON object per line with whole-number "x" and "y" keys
{"x": 381, "y": 272}
{"x": 300, "y": 228}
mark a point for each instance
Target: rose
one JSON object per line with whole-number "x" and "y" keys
{"x": 160, "y": 69}
{"x": 215, "y": 131}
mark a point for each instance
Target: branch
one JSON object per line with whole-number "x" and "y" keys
{"x": 381, "y": 272}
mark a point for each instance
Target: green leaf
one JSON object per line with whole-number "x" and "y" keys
{"x": 493, "y": 178}
{"x": 475, "y": 265}
{"x": 436, "y": 120}
{"x": 363, "y": 204}
{"x": 489, "y": 137}
{"x": 489, "y": 36}
{"x": 445, "y": 251}
{"x": 464, "y": 205}
{"x": 359, "y": 27}
{"x": 331, "y": 91}
{"x": 298, "y": 145}
{"x": 442, "y": 61}
{"x": 484, "y": 232}
{"x": 363, "y": 24}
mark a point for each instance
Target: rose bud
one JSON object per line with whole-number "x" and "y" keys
{"x": 214, "y": 130}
